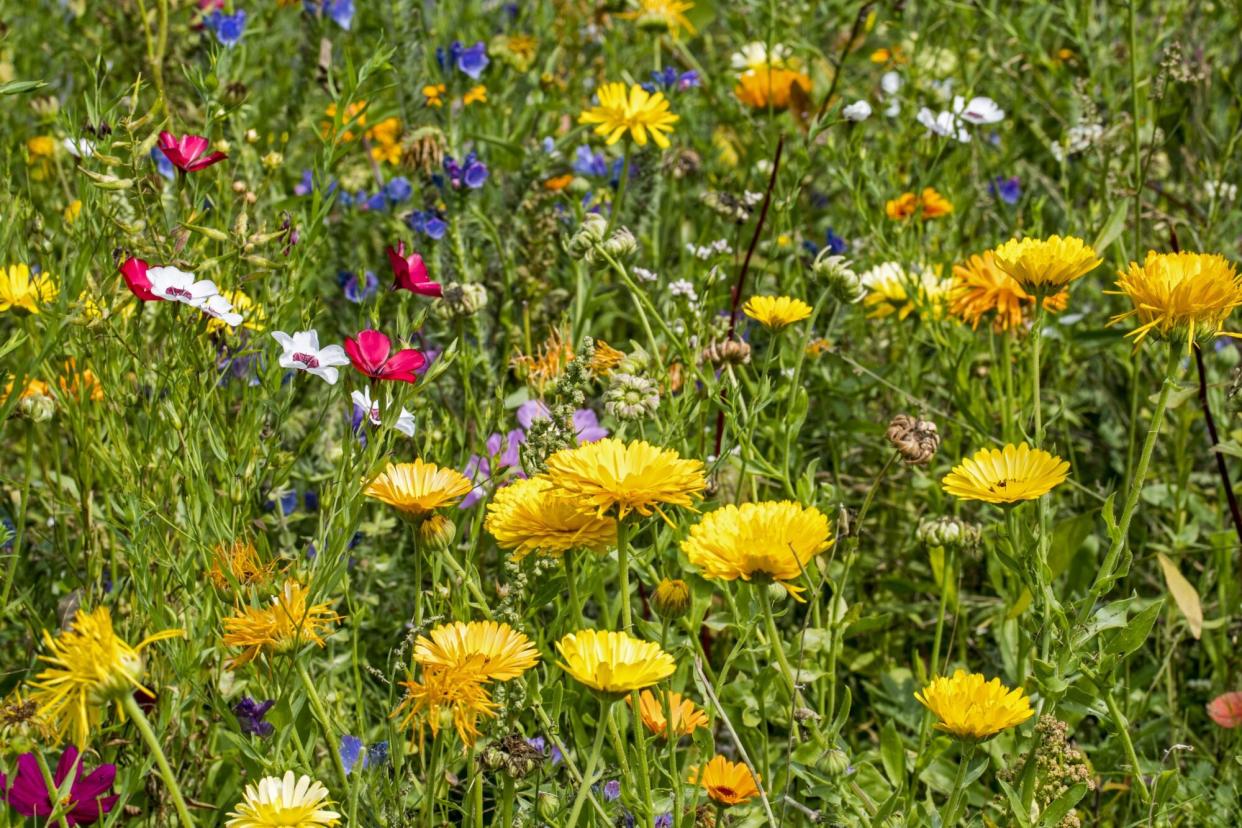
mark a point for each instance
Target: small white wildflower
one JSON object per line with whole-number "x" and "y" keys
{"x": 642, "y": 274}
{"x": 682, "y": 287}
{"x": 857, "y": 111}
{"x": 890, "y": 83}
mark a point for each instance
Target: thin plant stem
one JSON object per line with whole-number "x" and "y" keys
{"x": 955, "y": 798}
{"x": 1123, "y": 732}
{"x": 622, "y": 186}
{"x": 623, "y": 572}
{"x": 321, "y": 716}
{"x": 774, "y": 638}
{"x": 153, "y": 744}
{"x": 592, "y": 760}
{"x": 49, "y": 782}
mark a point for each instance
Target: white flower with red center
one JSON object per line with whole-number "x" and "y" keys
{"x": 178, "y": 286}
{"x": 220, "y": 308}
{"x": 302, "y": 353}
{"x": 370, "y": 410}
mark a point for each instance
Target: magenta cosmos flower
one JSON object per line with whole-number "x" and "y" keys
{"x": 186, "y": 152}
{"x": 134, "y": 272}
{"x": 410, "y": 273}
{"x": 29, "y": 796}
{"x": 371, "y": 353}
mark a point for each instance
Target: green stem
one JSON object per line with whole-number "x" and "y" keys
{"x": 951, "y": 807}
{"x": 640, "y": 742}
{"x": 470, "y": 583}
{"x": 153, "y": 745}
{"x": 1123, "y": 733}
{"x": 322, "y": 717}
{"x": 49, "y": 782}
{"x": 592, "y": 761}
{"x": 946, "y": 563}
{"x": 1136, "y": 136}
{"x": 20, "y": 535}
{"x": 774, "y": 638}
{"x": 622, "y": 186}
{"x": 506, "y": 803}
{"x": 623, "y": 572}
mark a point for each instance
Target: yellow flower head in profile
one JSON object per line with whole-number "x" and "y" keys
{"x": 776, "y": 312}
{"x": 239, "y": 563}
{"x": 891, "y": 289}
{"x": 1180, "y": 295}
{"x": 773, "y": 539}
{"x": 1042, "y": 265}
{"x": 452, "y": 695}
{"x": 771, "y": 86}
{"x": 615, "y": 663}
{"x": 605, "y": 358}
{"x": 1006, "y": 475}
{"x": 89, "y": 666}
{"x": 927, "y": 205}
{"x": 286, "y": 624}
{"x": 981, "y": 288}
{"x": 19, "y": 288}
{"x": 971, "y": 708}
{"x": 629, "y": 477}
{"x": 485, "y": 649}
{"x": 726, "y": 783}
{"x": 288, "y": 802}
{"x": 686, "y": 717}
{"x": 417, "y": 489}
{"x": 662, "y": 15}
{"x": 534, "y": 516}
{"x": 637, "y": 112}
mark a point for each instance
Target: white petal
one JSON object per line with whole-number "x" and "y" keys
{"x": 333, "y": 355}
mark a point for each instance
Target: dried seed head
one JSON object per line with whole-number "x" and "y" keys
{"x": 916, "y": 440}
{"x": 727, "y": 352}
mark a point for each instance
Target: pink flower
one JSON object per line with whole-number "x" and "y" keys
{"x": 370, "y": 354}
{"x": 1226, "y": 709}
{"x": 186, "y": 152}
{"x": 134, "y": 272}
{"x": 410, "y": 273}
{"x": 29, "y": 796}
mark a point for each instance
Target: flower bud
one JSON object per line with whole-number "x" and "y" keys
{"x": 437, "y": 532}
{"x": 727, "y": 352}
{"x": 838, "y": 277}
{"x": 547, "y": 804}
{"x": 38, "y": 408}
{"x": 833, "y": 763}
{"x": 621, "y": 245}
{"x": 949, "y": 533}
{"x": 630, "y": 398}
{"x": 671, "y": 599}
{"x": 461, "y": 299}
{"x": 588, "y": 235}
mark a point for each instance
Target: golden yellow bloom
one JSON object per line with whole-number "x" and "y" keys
{"x": 891, "y": 289}
{"x": 286, "y": 624}
{"x": 969, "y": 707}
{"x": 727, "y": 783}
{"x": 484, "y": 649}
{"x": 613, "y": 662}
{"x": 288, "y": 802}
{"x": 34, "y": 388}
{"x": 81, "y": 384}
{"x": 518, "y": 50}
{"x": 630, "y": 477}
{"x": 775, "y": 539}
{"x": 928, "y": 205}
{"x": 817, "y": 347}
{"x": 685, "y": 716}
{"x": 475, "y": 94}
{"x": 239, "y": 563}
{"x": 39, "y": 152}
{"x": 452, "y": 692}
{"x": 434, "y": 94}
{"x": 546, "y": 363}
{"x": 776, "y": 312}
{"x": 1006, "y": 475}
{"x": 418, "y": 489}
{"x": 671, "y": 598}
{"x": 605, "y": 358}
{"x": 639, "y": 112}
{"x": 89, "y": 668}
{"x": 1180, "y": 295}
{"x": 19, "y": 288}
{"x": 534, "y": 516}
{"x": 72, "y": 211}
{"x": 669, "y": 15}
{"x": 1040, "y": 265}
{"x": 771, "y": 86}
{"x": 980, "y": 287}
{"x": 355, "y": 115}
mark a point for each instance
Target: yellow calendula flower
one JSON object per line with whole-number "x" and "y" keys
{"x": 666, "y": 15}
{"x": 475, "y": 94}
{"x": 776, "y": 312}
{"x": 771, "y": 86}
{"x": 773, "y": 539}
{"x": 981, "y": 288}
{"x": 1043, "y": 265}
{"x": 609, "y": 475}
{"x": 891, "y": 289}
{"x": 19, "y": 288}
{"x": 287, "y": 623}
{"x": 485, "y": 649}
{"x": 417, "y": 489}
{"x": 686, "y": 717}
{"x": 452, "y": 695}
{"x": 284, "y": 802}
{"x": 1180, "y": 295}
{"x": 239, "y": 563}
{"x": 613, "y": 662}
{"x": 1006, "y": 475}
{"x": 534, "y": 516}
{"x": 89, "y": 668}
{"x": 972, "y": 708}
{"x": 927, "y": 205}
{"x": 726, "y": 783}
{"x": 638, "y": 112}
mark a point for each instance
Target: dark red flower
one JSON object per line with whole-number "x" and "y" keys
{"x": 134, "y": 272}
{"x": 186, "y": 152}
{"x": 371, "y": 353}
{"x": 410, "y": 273}
{"x": 29, "y": 796}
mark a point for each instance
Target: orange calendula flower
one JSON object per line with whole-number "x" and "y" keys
{"x": 981, "y": 288}
{"x": 287, "y": 623}
{"x": 488, "y": 650}
{"x": 81, "y": 384}
{"x": 239, "y": 563}
{"x": 442, "y": 696}
{"x": 559, "y": 182}
{"x": 928, "y": 205}
{"x": 545, "y": 363}
{"x": 771, "y": 86}
{"x": 726, "y": 783}
{"x": 685, "y": 716}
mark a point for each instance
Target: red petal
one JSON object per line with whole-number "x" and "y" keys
{"x": 1226, "y": 709}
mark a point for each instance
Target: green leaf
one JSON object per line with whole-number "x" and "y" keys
{"x": 18, "y": 87}
{"x": 1112, "y": 228}
{"x": 1061, "y": 806}
{"x": 1129, "y": 638}
{"x": 893, "y": 754}
{"x": 1016, "y": 808}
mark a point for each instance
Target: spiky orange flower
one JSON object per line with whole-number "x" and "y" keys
{"x": 239, "y": 563}
{"x": 284, "y": 625}
{"x": 928, "y": 205}
{"x": 545, "y": 363}
{"x": 981, "y": 288}
{"x": 454, "y": 695}
{"x": 686, "y": 717}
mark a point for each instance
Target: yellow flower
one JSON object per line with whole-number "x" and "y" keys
{"x": 518, "y": 50}
{"x": 1006, "y": 475}
{"x": 355, "y": 115}
{"x": 929, "y": 205}
{"x": 288, "y": 802}
{"x": 669, "y": 15}
{"x": 89, "y": 667}
{"x": 1180, "y": 295}
{"x": 546, "y": 362}
{"x": 630, "y": 477}
{"x": 80, "y": 385}
{"x": 613, "y": 662}
{"x": 72, "y": 212}
{"x": 727, "y": 783}
{"x": 1039, "y": 265}
{"x": 39, "y": 152}
{"x": 685, "y": 716}
{"x": 775, "y": 539}
{"x": 891, "y": 289}
{"x": 417, "y": 489}
{"x": 969, "y": 707}
{"x": 639, "y": 112}
{"x": 252, "y": 313}
{"x": 534, "y": 516}
{"x": 475, "y": 94}
{"x": 19, "y": 288}
{"x": 776, "y": 312}
{"x": 434, "y": 94}
{"x": 239, "y": 563}
{"x": 605, "y": 358}
{"x": 286, "y": 624}
{"x": 771, "y": 86}
{"x": 980, "y": 287}
{"x": 444, "y": 693}
{"x": 485, "y": 649}
{"x": 20, "y": 720}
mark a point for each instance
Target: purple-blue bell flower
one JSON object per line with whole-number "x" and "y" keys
{"x": 398, "y": 189}
{"x": 358, "y": 290}
{"x": 306, "y": 186}
{"x": 228, "y": 28}
{"x": 612, "y": 790}
{"x": 250, "y": 715}
{"x": 340, "y": 12}
{"x": 836, "y": 244}
{"x": 473, "y": 60}
{"x": 1008, "y": 190}
{"x": 427, "y": 222}
{"x": 355, "y": 757}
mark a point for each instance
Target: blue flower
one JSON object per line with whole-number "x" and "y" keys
{"x": 835, "y": 243}
{"x": 306, "y": 186}
{"x": 612, "y": 790}
{"x": 1008, "y": 190}
{"x": 472, "y": 61}
{"x": 250, "y": 715}
{"x": 162, "y": 165}
{"x": 398, "y": 189}
{"x": 470, "y": 171}
{"x": 427, "y": 222}
{"x": 664, "y": 821}
{"x": 359, "y": 290}
{"x": 341, "y": 12}
{"x": 671, "y": 79}
{"x": 228, "y": 28}
{"x": 353, "y": 757}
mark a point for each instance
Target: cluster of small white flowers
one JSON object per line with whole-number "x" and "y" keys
{"x": 1076, "y": 140}
{"x": 1222, "y": 190}
{"x": 890, "y": 85}
{"x": 642, "y": 274}
{"x": 952, "y": 122}
{"x": 751, "y": 199}
{"x": 682, "y": 287}
{"x": 719, "y": 247}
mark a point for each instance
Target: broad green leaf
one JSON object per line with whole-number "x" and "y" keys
{"x": 1061, "y": 806}
{"x": 1112, "y": 228}
{"x": 893, "y": 754}
{"x": 1129, "y": 638}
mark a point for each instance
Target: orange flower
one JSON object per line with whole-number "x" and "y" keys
{"x": 771, "y": 85}
{"x": 686, "y": 717}
{"x": 727, "y": 783}
{"x": 929, "y": 204}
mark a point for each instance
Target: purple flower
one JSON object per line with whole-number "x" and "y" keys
{"x": 306, "y": 186}
{"x": 353, "y": 757}
{"x": 664, "y": 820}
{"x": 472, "y": 61}
{"x": 228, "y": 28}
{"x": 1008, "y": 190}
{"x": 359, "y": 290}
{"x": 479, "y": 468}
{"x": 835, "y": 243}
{"x": 541, "y": 744}
{"x": 470, "y": 171}
{"x": 586, "y": 424}
{"x": 250, "y": 715}
{"x": 398, "y": 189}
{"x": 670, "y": 78}
{"x": 341, "y": 12}
{"x": 28, "y": 794}
{"x": 428, "y": 223}
{"x": 612, "y": 790}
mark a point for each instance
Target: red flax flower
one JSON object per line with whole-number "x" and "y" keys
{"x": 1226, "y": 709}
{"x": 29, "y": 796}
{"x": 410, "y": 273}
{"x": 371, "y": 353}
{"x": 186, "y": 152}
{"x": 134, "y": 272}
